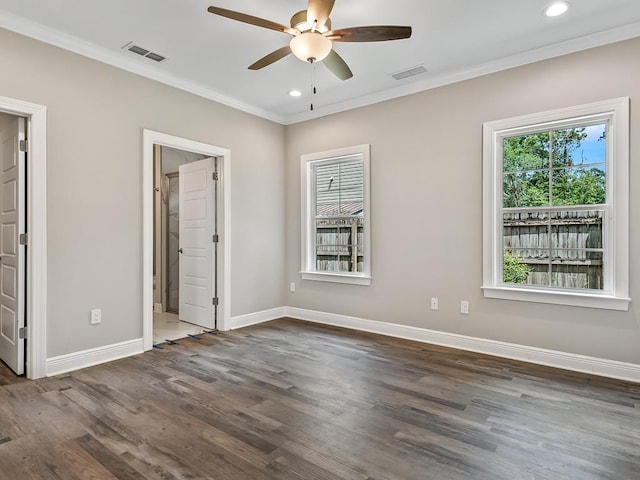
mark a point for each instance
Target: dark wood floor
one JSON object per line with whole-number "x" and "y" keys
{"x": 292, "y": 400}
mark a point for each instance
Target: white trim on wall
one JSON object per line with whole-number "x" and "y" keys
{"x": 120, "y": 60}
{"x": 36, "y": 312}
{"x": 594, "y": 40}
{"x": 615, "y": 294}
{"x": 108, "y": 353}
{"x": 124, "y": 61}
{"x": 151, "y": 138}
{"x": 93, "y": 356}
{"x": 309, "y": 162}
{"x": 540, "y": 356}
{"x": 563, "y": 360}
{"x": 255, "y": 318}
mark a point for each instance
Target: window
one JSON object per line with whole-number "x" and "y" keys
{"x": 556, "y": 201}
{"x": 335, "y": 225}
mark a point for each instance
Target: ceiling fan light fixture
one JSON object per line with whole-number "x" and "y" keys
{"x": 310, "y": 46}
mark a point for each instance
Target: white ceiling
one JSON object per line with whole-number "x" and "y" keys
{"x": 209, "y": 55}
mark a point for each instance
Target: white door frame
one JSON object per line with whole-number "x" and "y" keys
{"x": 36, "y": 294}
{"x": 149, "y": 139}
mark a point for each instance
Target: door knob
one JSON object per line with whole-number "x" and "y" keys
{"x": 179, "y": 250}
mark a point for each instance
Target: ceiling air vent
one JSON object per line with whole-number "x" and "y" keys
{"x": 143, "y": 52}
{"x": 409, "y": 73}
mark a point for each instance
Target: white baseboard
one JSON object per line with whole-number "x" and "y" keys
{"x": 551, "y": 358}
{"x": 94, "y": 356}
{"x": 257, "y": 317}
{"x": 157, "y": 308}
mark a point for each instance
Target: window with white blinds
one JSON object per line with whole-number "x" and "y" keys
{"x": 335, "y": 220}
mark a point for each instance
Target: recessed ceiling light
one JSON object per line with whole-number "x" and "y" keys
{"x": 556, "y": 9}
{"x": 295, "y": 93}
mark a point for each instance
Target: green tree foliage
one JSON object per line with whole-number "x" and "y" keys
{"x": 514, "y": 270}
{"x": 529, "y": 182}
{"x": 580, "y": 186}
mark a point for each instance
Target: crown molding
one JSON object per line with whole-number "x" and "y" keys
{"x": 117, "y": 59}
{"x": 586, "y": 42}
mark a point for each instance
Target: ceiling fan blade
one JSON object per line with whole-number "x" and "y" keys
{"x": 376, "y": 33}
{"x": 271, "y": 58}
{"x": 251, "y": 20}
{"x": 337, "y": 65}
{"x": 319, "y": 11}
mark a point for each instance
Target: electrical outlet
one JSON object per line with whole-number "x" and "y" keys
{"x": 292, "y": 287}
{"x": 96, "y": 316}
{"x": 434, "y": 304}
{"x": 464, "y": 307}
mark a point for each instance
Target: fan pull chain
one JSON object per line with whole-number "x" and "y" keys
{"x": 313, "y": 81}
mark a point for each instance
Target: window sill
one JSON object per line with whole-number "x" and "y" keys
{"x": 336, "y": 278}
{"x": 575, "y": 299}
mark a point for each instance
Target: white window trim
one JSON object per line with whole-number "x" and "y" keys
{"x": 617, "y": 296}
{"x": 308, "y": 271}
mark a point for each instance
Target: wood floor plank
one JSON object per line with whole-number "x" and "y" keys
{"x": 292, "y": 400}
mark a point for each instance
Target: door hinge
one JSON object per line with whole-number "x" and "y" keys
{"x": 215, "y": 300}
{"x": 215, "y": 238}
{"x": 214, "y": 175}
{"x": 23, "y": 145}
{"x": 22, "y": 333}
{"x": 24, "y": 239}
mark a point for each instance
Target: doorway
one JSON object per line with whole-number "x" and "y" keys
{"x": 185, "y": 228}
{"x": 23, "y": 274}
{"x": 13, "y": 171}
{"x": 185, "y": 243}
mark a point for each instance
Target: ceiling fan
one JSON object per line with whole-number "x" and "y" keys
{"x": 313, "y": 37}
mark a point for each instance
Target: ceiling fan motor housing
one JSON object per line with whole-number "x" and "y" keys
{"x": 299, "y": 22}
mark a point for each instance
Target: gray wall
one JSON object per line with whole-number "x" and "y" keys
{"x": 426, "y": 183}
{"x": 426, "y": 194}
{"x": 5, "y": 119}
{"x": 172, "y": 158}
{"x": 96, "y": 115}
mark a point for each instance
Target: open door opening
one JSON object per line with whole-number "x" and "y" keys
{"x": 185, "y": 243}
{"x": 153, "y": 143}
{"x": 13, "y": 241}
{"x": 23, "y": 236}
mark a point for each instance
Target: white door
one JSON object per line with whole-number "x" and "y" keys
{"x": 197, "y": 254}
{"x": 12, "y": 254}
